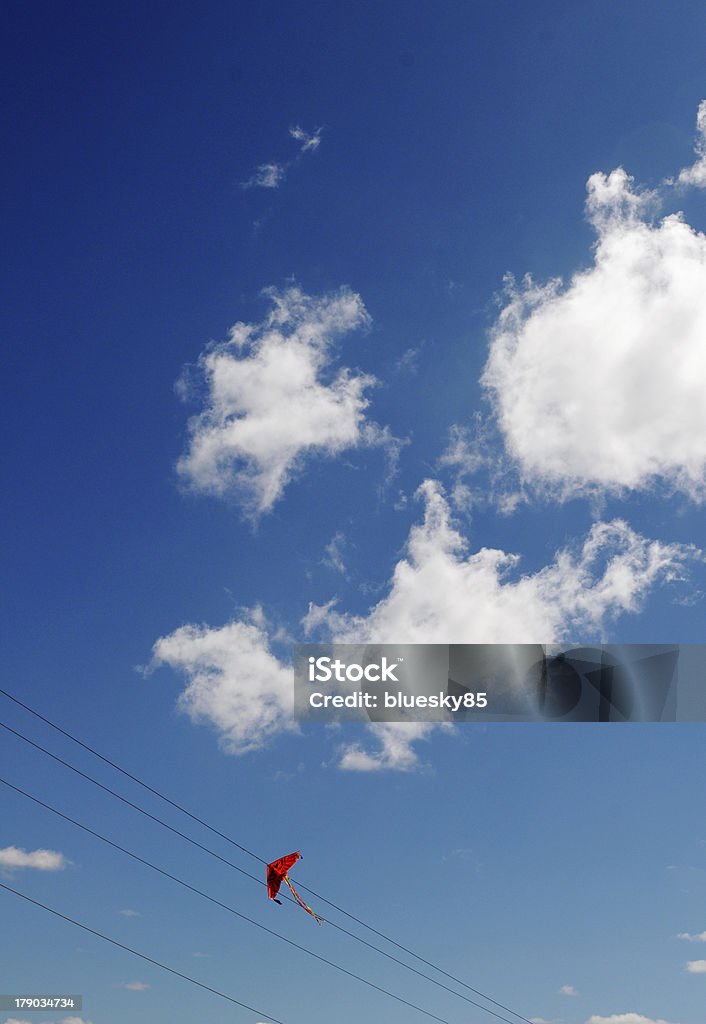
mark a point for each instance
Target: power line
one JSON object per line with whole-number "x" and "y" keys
{"x": 129, "y": 803}
{"x": 237, "y": 913}
{"x": 133, "y": 778}
{"x": 244, "y": 849}
{"x": 142, "y": 956}
{"x": 333, "y": 924}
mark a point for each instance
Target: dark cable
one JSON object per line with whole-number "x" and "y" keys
{"x": 143, "y": 956}
{"x": 237, "y": 913}
{"x": 244, "y": 849}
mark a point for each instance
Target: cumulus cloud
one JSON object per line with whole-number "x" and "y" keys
{"x": 275, "y": 400}
{"x": 696, "y": 967}
{"x": 568, "y": 990}
{"x": 12, "y": 858}
{"x": 599, "y": 384}
{"x": 696, "y": 174}
{"x": 624, "y": 1018}
{"x": 440, "y": 592}
{"x": 234, "y": 682}
{"x": 700, "y": 937}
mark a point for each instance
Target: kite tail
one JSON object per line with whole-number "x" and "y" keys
{"x": 302, "y": 904}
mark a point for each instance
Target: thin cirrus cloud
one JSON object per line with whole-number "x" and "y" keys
{"x": 266, "y": 176}
{"x": 272, "y": 174}
{"x": 274, "y": 400}
{"x": 439, "y": 592}
{"x": 13, "y": 858}
{"x": 599, "y": 384}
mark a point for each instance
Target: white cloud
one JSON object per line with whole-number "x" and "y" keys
{"x": 309, "y": 142}
{"x": 568, "y": 990}
{"x": 600, "y": 384}
{"x": 275, "y": 400}
{"x": 624, "y": 1018}
{"x": 266, "y": 176}
{"x": 395, "y": 751}
{"x": 130, "y": 913}
{"x": 439, "y": 593}
{"x": 696, "y": 967}
{"x": 696, "y": 174}
{"x": 333, "y": 553}
{"x": 272, "y": 174}
{"x": 64, "y": 1020}
{"x": 700, "y": 937}
{"x": 234, "y": 682}
{"x": 12, "y": 857}
{"x": 134, "y": 986}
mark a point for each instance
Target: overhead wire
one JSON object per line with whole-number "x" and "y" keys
{"x": 333, "y": 924}
{"x": 244, "y": 849}
{"x": 142, "y": 956}
{"x": 237, "y": 913}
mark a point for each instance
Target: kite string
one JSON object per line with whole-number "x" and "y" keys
{"x": 300, "y": 901}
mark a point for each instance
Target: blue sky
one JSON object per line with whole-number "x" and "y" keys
{"x": 275, "y": 371}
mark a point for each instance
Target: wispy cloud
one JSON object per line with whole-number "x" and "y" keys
{"x": 625, "y": 1018}
{"x": 568, "y": 990}
{"x": 333, "y": 553}
{"x": 13, "y": 858}
{"x": 308, "y": 142}
{"x": 273, "y": 173}
{"x": 394, "y": 748}
{"x": 133, "y": 986}
{"x": 130, "y": 913}
{"x": 274, "y": 400}
{"x": 696, "y": 174}
{"x": 64, "y": 1020}
{"x": 700, "y": 937}
{"x": 266, "y": 176}
{"x": 599, "y": 384}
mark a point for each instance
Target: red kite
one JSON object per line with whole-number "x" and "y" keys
{"x": 277, "y": 873}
